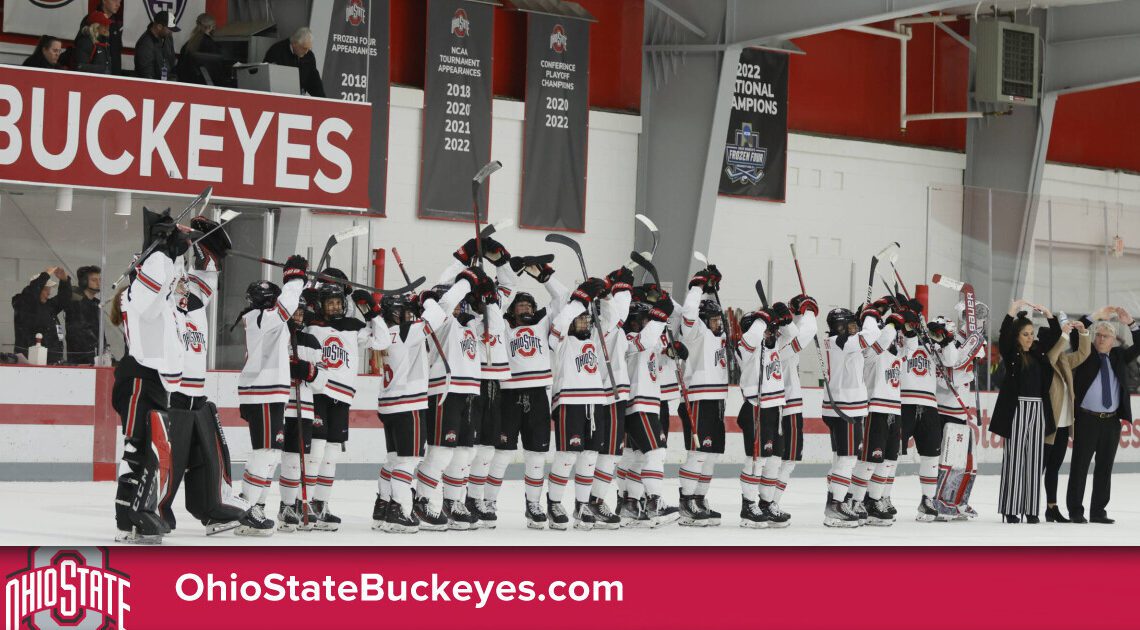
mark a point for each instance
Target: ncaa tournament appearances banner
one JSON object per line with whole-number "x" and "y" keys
{"x": 351, "y": 42}
{"x": 557, "y": 123}
{"x": 457, "y": 106}
{"x": 756, "y": 150}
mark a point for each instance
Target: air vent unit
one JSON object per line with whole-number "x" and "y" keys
{"x": 1008, "y": 63}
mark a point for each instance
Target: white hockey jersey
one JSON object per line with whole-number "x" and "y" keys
{"x": 706, "y": 370}
{"x": 752, "y": 352}
{"x": 406, "y": 360}
{"x": 613, "y": 313}
{"x": 341, "y": 340}
{"x": 882, "y": 369}
{"x": 918, "y": 375}
{"x": 643, "y": 351}
{"x": 265, "y": 376}
{"x": 577, "y": 363}
{"x": 845, "y": 371}
{"x": 201, "y": 286}
{"x": 149, "y": 322}
{"x": 527, "y": 345}
{"x": 461, "y": 344}
{"x": 948, "y": 404}
{"x": 308, "y": 349}
{"x": 670, "y": 388}
{"x": 806, "y": 328}
{"x": 496, "y": 362}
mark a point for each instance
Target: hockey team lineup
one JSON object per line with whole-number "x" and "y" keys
{"x": 472, "y": 366}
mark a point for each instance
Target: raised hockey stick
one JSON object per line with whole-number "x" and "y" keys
{"x": 890, "y": 253}
{"x": 226, "y": 217}
{"x": 431, "y": 333}
{"x": 572, "y": 244}
{"x": 655, "y": 233}
{"x": 300, "y": 435}
{"x": 476, "y": 187}
{"x": 730, "y": 356}
{"x": 327, "y": 278}
{"x": 203, "y": 200}
{"x": 641, "y": 259}
{"x": 823, "y": 371}
{"x": 336, "y": 239}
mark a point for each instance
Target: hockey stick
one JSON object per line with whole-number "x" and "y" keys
{"x": 476, "y": 187}
{"x": 641, "y": 259}
{"x": 226, "y": 217}
{"x": 823, "y": 371}
{"x": 730, "y": 358}
{"x": 597, "y": 314}
{"x": 327, "y": 278}
{"x": 203, "y": 199}
{"x": 300, "y": 436}
{"x": 655, "y": 233}
{"x": 336, "y": 239}
{"x": 434, "y": 338}
{"x": 890, "y": 253}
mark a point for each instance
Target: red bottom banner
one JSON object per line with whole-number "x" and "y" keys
{"x": 528, "y": 588}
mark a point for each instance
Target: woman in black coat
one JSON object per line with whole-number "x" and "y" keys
{"x": 1023, "y": 415}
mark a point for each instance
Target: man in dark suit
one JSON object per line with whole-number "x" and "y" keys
{"x": 1102, "y": 395}
{"x": 297, "y": 51}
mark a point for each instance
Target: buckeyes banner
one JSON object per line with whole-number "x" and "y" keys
{"x": 557, "y": 123}
{"x": 92, "y": 131}
{"x": 351, "y": 41}
{"x": 457, "y": 106}
{"x": 756, "y": 149}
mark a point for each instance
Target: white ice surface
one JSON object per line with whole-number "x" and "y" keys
{"x": 67, "y": 513}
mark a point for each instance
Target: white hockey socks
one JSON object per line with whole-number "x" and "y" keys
{"x": 384, "y": 481}
{"x": 325, "y": 478}
{"x": 258, "y": 474}
{"x": 882, "y": 480}
{"x": 928, "y": 475}
{"x": 860, "y": 477}
{"x": 584, "y": 474}
{"x": 480, "y": 467}
{"x": 290, "y": 477}
{"x": 603, "y": 475}
{"x": 839, "y": 479}
{"x": 782, "y": 477}
{"x": 707, "y": 470}
{"x": 430, "y": 470}
{"x": 652, "y": 473}
{"x": 495, "y": 473}
{"x": 769, "y": 477}
{"x": 690, "y": 472}
{"x": 559, "y": 474}
{"x": 628, "y": 457}
{"x": 533, "y": 463}
{"x": 403, "y": 476}
{"x": 749, "y": 480}
{"x": 313, "y": 461}
{"x": 455, "y": 475}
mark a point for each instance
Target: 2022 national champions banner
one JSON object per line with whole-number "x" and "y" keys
{"x": 756, "y": 147}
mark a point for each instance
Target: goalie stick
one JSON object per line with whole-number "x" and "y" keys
{"x": 823, "y": 371}
{"x": 203, "y": 200}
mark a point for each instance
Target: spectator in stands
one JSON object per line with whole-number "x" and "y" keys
{"x": 154, "y": 52}
{"x": 113, "y": 11}
{"x": 91, "y": 52}
{"x": 46, "y": 54}
{"x": 82, "y": 313}
{"x": 190, "y": 69}
{"x": 36, "y": 311}
{"x": 297, "y": 51}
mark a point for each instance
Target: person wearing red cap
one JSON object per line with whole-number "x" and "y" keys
{"x": 92, "y": 52}
{"x": 154, "y": 52}
{"x": 113, "y": 10}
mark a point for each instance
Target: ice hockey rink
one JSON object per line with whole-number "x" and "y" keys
{"x": 79, "y": 513}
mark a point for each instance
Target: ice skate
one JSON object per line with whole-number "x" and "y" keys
{"x": 604, "y": 518}
{"x": 751, "y": 516}
{"x": 380, "y": 514}
{"x": 691, "y": 513}
{"x": 431, "y": 520}
{"x": 776, "y": 518}
{"x": 926, "y": 512}
{"x": 535, "y": 517}
{"x": 583, "y": 517}
{"x": 326, "y": 520}
{"x": 877, "y": 513}
{"x": 255, "y": 523}
{"x": 658, "y": 512}
{"x": 458, "y": 516}
{"x": 400, "y": 521}
{"x": 557, "y": 515}
{"x": 839, "y": 514}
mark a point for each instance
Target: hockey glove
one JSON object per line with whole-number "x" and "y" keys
{"x": 295, "y": 268}
{"x": 366, "y": 302}
{"x": 883, "y": 304}
{"x": 620, "y": 279}
{"x": 473, "y": 275}
{"x": 715, "y": 277}
{"x": 302, "y": 370}
{"x": 870, "y": 311}
{"x": 466, "y": 253}
{"x": 913, "y": 305}
{"x": 665, "y": 306}
{"x": 677, "y": 351}
{"x": 589, "y": 291}
{"x": 495, "y": 253}
{"x": 803, "y": 304}
{"x": 782, "y": 313}
{"x": 898, "y": 319}
{"x": 701, "y": 280}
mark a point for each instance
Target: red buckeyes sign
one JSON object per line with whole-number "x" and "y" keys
{"x": 95, "y": 131}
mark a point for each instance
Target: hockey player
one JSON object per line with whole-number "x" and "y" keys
{"x": 844, "y": 415}
{"x": 955, "y": 417}
{"x": 919, "y": 417}
{"x": 526, "y": 401}
{"x": 150, "y": 370}
{"x": 706, "y": 373}
{"x": 580, "y": 397}
{"x": 763, "y": 332}
{"x": 340, "y": 339}
{"x": 878, "y": 459}
{"x": 804, "y": 312}
{"x": 403, "y": 403}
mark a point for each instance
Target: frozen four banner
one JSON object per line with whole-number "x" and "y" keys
{"x": 350, "y": 39}
{"x": 457, "y": 106}
{"x": 557, "y": 123}
{"x": 756, "y": 149}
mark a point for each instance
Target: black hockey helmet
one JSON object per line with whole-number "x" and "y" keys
{"x": 638, "y": 316}
{"x": 838, "y": 319}
{"x": 345, "y": 287}
{"x": 328, "y": 292}
{"x": 522, "y": 297}
{"x": 262, "y": 294}
{"x": 709, "y": 309}
{"x": 394, "y": 307}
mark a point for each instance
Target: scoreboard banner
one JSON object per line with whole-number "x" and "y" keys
{"x": 351, "y": 40}
{"x": 457, "y": 106}
{"x": 756, "y": 147}
{"x": 557, "y": 123}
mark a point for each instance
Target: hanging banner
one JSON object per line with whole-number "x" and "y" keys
{"x": 350, "y": 39}
{"x": 457, "y": 107}
{"x": 137, "y": 16}
{"x": 756, "y": 150}
{"x": 557, "y": 123}
{"x": 60, "y": 18}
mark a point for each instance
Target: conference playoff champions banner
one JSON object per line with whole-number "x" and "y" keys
{"x": 756, "y": 150}
{"x": 350, "y": 38}
{"x": 457, "y": 106}
{"x": 59, "y": 18}
{"x": 557, "y": 123}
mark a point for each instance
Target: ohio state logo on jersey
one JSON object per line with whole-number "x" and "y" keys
{"x": 490, "y": 340}
{"x": 720, "y": 357}
{"x": 192, "y": 339}
{"x": 354, "y": 12}
{"x": 387, "y": 375}
{"x": 893, "y": 373}
{"x": 772, "y": 369}
{"x": 333, "y": 353}
{"x": 525, "y": 343}
{"x": 652, "y": 366}
{"x": 558, "y": 39}
{"x": 460, "y": 25}
{"x": 468, "y": 344}
{"x": 918, "y": 363}
{"x": 588, "y": 360}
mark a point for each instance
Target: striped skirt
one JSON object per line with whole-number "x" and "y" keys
{"x": 1022, "y": 461}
